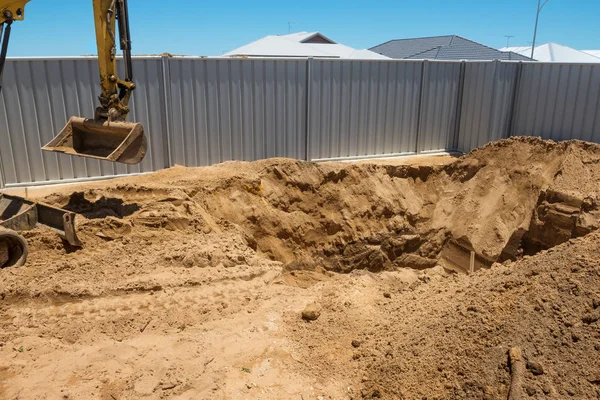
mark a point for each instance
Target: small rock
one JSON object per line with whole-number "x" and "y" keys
{"x": 387, "y": 295}
{"x": 568, "y": 323}
{"x": 530, "y": 390}
{"x": 592, "y": 317}
{"x": 535, "y": 367}
{"x": 355, "y": 343}
{"x": 596, "y": 303}
{"x": 311, "y": 312}
{"x": 575, "y": 337}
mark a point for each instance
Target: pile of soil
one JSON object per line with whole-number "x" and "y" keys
{"x": 447, "y": 336}
{"x": 191, "y": 281}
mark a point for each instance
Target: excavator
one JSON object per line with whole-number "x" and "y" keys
{"x": 107, "y": 136}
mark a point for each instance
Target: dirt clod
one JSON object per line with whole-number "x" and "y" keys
{"x": 311, "y": 312}
{"x": 535, "y": 367}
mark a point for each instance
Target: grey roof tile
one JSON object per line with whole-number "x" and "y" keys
{"x": 451, "y": 47}
{"x": 404, "y": 48}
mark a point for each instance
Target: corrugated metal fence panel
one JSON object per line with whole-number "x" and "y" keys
{"x": 148, "y": 107}
{"x": 236, "y": 110}
{"x": 559, "y": 101}
{"x": 204, "y": 111}
{"x": 488, "y": 95}
{"x": 38, "y": 98}
{"x": 439, "y": 101}
{"x": 362, "y": 108}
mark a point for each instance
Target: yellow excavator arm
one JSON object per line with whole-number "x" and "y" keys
{"x": 107, "y": 136}
{"x": 13, "y": 10}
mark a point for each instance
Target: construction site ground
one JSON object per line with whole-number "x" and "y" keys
{"x": 283, "y": 279}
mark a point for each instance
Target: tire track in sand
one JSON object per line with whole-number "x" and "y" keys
{"x": 124, "y": 302}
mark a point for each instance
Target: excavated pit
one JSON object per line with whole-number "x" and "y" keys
{"x": 508, "y": 199}
{"x": 191, "y": 282}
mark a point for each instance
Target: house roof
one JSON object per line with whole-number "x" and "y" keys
{"x": 552, "y": 52}
{"x": 365, "y": 54}
{"x": 464, "y": 52}
{"x": 293, "y": 45}
{"x": 305, "y": 36}
{"x": 595, "y": 53}
{"x": 450, "y": 47}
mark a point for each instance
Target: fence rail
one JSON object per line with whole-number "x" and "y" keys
{"x": 204, "y": 111}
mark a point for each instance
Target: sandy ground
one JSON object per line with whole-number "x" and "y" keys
{"x": 427, "y": 160}
{"x": 192, "y": 282}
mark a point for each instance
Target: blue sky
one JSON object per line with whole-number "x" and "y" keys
{"x": 213, "y": 27}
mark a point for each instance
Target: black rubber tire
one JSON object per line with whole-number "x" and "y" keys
{"x": 17, "y": 248}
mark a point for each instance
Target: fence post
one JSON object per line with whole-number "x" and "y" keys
{"x": 2, "y": 173}
{"x": 515, "y": 99}
{"x": 424, "y": 69}
{"x": 309, "y": 64}
{"x": 459, "y": 104}
{"x": 166, "y": 109}
{"x": 2, "y": 176}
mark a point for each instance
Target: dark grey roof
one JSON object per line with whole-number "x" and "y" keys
{"x": 451, "y": 47}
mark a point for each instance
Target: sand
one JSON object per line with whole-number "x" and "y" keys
{"x": 191, "y": 282}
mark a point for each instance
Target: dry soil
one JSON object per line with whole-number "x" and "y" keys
{"x": 191, "y": 282}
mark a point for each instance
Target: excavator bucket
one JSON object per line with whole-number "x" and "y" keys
{"x": 116, "y": 141}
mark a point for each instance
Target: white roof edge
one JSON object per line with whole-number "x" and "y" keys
{"x": 555, "y": 52}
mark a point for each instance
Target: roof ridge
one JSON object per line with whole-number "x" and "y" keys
{"x": 425, "y": 51}
{"x": 514, "y": 53}
{"x": 551, "y": 51}
{"x": 416, "y": 38}
{"x": 481, "y": 44}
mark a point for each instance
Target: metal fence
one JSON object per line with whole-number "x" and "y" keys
{"x": 200, "y": 111}
{"x": 38, "y": 98}
{"x": 559, "y": 101}
{"x": 221, "y": 110}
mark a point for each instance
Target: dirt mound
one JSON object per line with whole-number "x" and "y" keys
{"x": 448, "y": 336}
{"x": 214, "y": 266}
{"x": 512, "y": 197}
